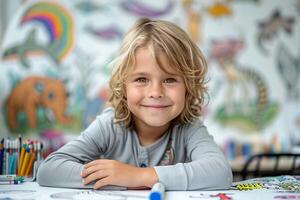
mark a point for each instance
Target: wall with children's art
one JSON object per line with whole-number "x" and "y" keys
{"x": 55, "y": 55}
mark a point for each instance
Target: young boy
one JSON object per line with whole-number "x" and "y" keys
{"x": 151, "y": 132}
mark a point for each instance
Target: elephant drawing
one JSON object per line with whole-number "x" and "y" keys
{"x": 34, "y": 92}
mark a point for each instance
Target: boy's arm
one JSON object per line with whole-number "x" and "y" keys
{"x": 111, "y": 172}
{"x": 62, "y": 168}
{"x": 208, "y": 169}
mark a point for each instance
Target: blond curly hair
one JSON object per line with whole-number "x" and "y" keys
{"x": 181, "y": 52}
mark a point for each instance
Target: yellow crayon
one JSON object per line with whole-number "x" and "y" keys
{"x": 29, "y": 167}
{"x": 21, "y": 158}
{"x": 25, "y": 162}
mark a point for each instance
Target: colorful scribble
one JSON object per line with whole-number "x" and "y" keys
{"x": 249, "y": 186}
{"x": 271, "y": 26}
{"x": 140, "y": 9}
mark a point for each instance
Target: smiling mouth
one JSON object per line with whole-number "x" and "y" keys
{"x": 156, "y": 106}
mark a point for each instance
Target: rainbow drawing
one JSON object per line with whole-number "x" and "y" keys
{"x": 58, "y": 24}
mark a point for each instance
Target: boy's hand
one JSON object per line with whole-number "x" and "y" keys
{"x": 112, "y": 172}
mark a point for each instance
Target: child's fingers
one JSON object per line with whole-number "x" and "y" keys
{"x": 100, "y": 174}
{"x": 87, "y": 171}
{"x": 90, "y": 164}
{"x": 102, "y": 182}
{"x": 95, "y": 162}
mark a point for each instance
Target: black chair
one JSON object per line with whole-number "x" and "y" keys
{"x": 253, "y": 166}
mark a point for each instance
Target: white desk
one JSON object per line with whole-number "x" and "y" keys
{"x": 272, "y": 188}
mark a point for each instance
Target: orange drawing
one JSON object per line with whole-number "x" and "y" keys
{"x": 219, "y": 9}
{"x": 32, "y": 93}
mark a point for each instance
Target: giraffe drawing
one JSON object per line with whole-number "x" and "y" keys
{"x": 246, "y": 102}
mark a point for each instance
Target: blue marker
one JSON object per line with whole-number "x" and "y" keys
{"x": 157, "y": 192}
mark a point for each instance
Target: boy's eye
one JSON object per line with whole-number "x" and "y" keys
{"x": 141, "y": 80}
{"x": 170, "y": 80}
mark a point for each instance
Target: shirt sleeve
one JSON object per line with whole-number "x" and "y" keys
{"x": 62, "y": 168}
{"x": 208, "y": 169}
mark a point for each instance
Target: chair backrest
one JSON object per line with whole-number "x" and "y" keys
{"x": 271, "y": 164}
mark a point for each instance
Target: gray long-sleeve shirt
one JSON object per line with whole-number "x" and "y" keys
{"x": 184, "y": 158}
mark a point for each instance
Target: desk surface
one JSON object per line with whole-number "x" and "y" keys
{"x": 280, "y": 187}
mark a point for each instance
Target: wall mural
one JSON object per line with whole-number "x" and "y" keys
{"x": 55, "y": 64}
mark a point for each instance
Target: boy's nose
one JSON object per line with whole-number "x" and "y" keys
{"x": 155, "y": 91}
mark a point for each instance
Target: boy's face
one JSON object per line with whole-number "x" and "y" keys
{"x": 153, "y": 96}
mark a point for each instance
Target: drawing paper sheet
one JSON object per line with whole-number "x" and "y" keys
{"x": 280, "y": 187}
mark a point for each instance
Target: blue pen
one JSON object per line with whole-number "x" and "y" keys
{"x": 1, "y": 155}
{"x": 157, "y": 192}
